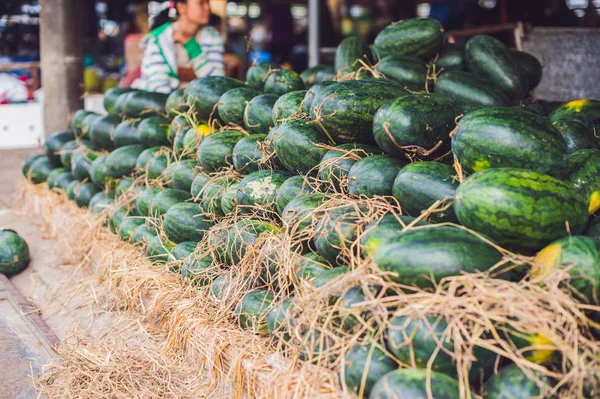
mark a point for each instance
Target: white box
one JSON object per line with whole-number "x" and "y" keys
{"x": 21, "y": 125}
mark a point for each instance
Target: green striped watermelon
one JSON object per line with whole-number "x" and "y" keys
{"x": 258, "y": 113}
{"x": 31, "y": 158}
{"x": 39, "y": 170}
{"x": 415, "y": 384}
{"x": 287, "y": 105}
{"x": 111, "y": 96}
{"x": 257, "y": 74}
{"x": 84, "y": 193}
{"x": 421, "y": 37}
{"x": 232, "y": 104}
{"x": 144, "y": 201}
{"x": 159, "y": 251}
{"x": 228, "y": 204}
{"x": 281, "y": 81}
{"x": 183, "y": 222}
{"x": 336, "y": 163}
{"x": 121, "y": 162}
{"x": 177, "y": 128}
{"x": 103, "y": 130}
{"x": 583, "y": 173}
{"x": 204, "y": 93}
{"x": 380, "y": 230}
{"x": 165, "y": 199}
{"x": 216, "y": 151}
{"x": 158, "y": 164}
{"x": 373, "y": 176}
{"x": 409, "y": 71}
{"x": 350, "y": 52}
{"x": 575, "y": 134}
{"x": 471, "y": 89}
{"x": 253, "y": 309}
{"x": 54, "y": 143}
{"x": 146, "y": 156}
{"x": 182, "y": 173}
{"x": 364, "y": 365}
{"x": 511, "y": 382}
{"x": 259, "y": 189}
{"x": 127, "y": 133}
{"x": 336, "y": 232}
{"x": 154, "y": 131}
{"x": 14, "y": 253}
{"x": 584, "y": 110}
{"x": 77, "y": 121}
{"x": 176, "y": 103}
{"x": 142, "y": 235}
{"x": 248, "y": 154}
{"x": 293, "y": 187}
{"x": 200, "y": 180}
{"x": 212, "y": 193}
{"x": 450, "y": 58}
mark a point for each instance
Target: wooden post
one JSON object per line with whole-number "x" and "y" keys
{"x": 62, "y": 64}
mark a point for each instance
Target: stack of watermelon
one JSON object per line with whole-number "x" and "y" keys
{"x": 449, "y": 136}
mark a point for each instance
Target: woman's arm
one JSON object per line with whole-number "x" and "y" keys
{"x": 155, "y": 71}
{"x": 206, "y": 53}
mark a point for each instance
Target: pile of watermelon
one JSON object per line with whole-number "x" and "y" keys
{"x": 282, "y": 173}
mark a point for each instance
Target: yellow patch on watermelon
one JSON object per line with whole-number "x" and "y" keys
{"x": 594, "y": 202}
{"x": 576, "y": 105}
{"x": 480, "y": 165}
{"x": 204, "y": 129}
{"x": 540, "y": 356}
{"x": 546, "y": 260}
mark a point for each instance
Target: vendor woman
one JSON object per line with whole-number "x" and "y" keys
{"x": 181, "y": 46}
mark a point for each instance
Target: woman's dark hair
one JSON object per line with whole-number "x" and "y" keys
{"x": 163, "y": 17}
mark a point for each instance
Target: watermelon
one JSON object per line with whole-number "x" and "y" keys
{"x": 159, "y": 251}
{"x": 373, "y": 176}
{"x": 52, "y": 177}
{"x": 293, "y": 187}
{"x": 575, "y": 134}
{"x": 281, "y": 81}
{"x": 98, "y": 170}
{"x": 184, "y": 250}
{"x": 336, "y": 232}
{"x": 258, "y": 113}
{"x": 489, "y": 58}
{"x": 380, "y": 230}
{"x": 580, "y": 255}
{"x": 53, "y": 145}
{"x": 471, "y": 89}
{"x": 583, "y": 173}
{"x": 84, "y": 193}
{"x": 419, "y": 185}
{"x": 203, "y": 94}
{"x": 31, "y": 158}
{"x": 257, "y": 74}
{"x": 212, "y": 194}
{"x": 142, "y": 235}
{"x": 216, "y": 151}
{"x": 121, "y": 162}
{"x": 71, "y": 188}
{"x": 530, "y": 66}
{"x": 165, "y": 199}
{"x": 248, "y": 155}
{"x": 415, "y": 384}
{"x": 295, "y": 143}
{"x": 259, "y": 189}
{"x": 39, "y": 170}
{"x": 141, "y": 104}
{"x": 157, "y": 165}
{"x": 146, "y": 156}
{"x": 111, "y": 96}
{"x": 409, "y": 71}
{"x": 584, "y": 110}
{"x": 103, "y": 130}
{"x": 279, "y": 318}
{"x": 231, "y": 245}
{"x": 66, "y": 151}
{"x": 124, "y": 186}
{"x": 86, "y": 124}
{"x": 309, "y": 76}
{"x": 14, "y": 253}
{"x": 144, "y": 201}
{"x": 77, "y": 121}
{"x": 450, "y": 58}
{"x": 418, "y": 125}
{"x": 421, "y": 37}
{"x": 197, "y": 270}
{"x": 507, "y": 137}
{"x": 154, "y": 131}
{"x": 325, "y": 74}
{"x": 181, "y": 174}
{"x": 336, "y": 163}
{"x": 186, "y": 145}
{"x": 178, "y": 128}
{"x": 253, "y": 309}
{"x": 116, "y": 218}
{"x": 315, "y": 346}
{"x": 81, "y": 164}
{"x": 63, "y": 180}
{"x": 327, "y": 276}
{"x": 345, "y": 110}
{"x": 176, "y": 103}
{"x": 232, "y": 104}
{"x": 100, "y": 202}
{"x": 287, "y": 105}
{"x": 415, "y": 257}
{"x": 228, "y": 203}
{"x": 350, "y": 52}
{"x": 218, "y": 288}
{"x": 520, "y": 208}
{"x": 511, "y": 382}
{"x": 352, "y": 310}
{"x": 311, "y": 94}
{"x": 310, "y": 266}
{"x": 593, "y": 229}
{"x": 127, "y": 133}
{"x": 200, "y": 180}
{"x": 299, "y": 215}
{"x": 364, "y": 365}
{"x": 183, "y": 222}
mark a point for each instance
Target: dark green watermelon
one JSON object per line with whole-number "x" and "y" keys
{"x": 157, "y": 165}
{"x": 66, "y": 151}
{"x": 71, "y": 189}
{"x": 450, "y": 58}
{"x": 142, "y": 235}
{"x": 178, "y": 128}
{"x": 350, "y": 52}
{"x": 52, "y": 177}
{"x": 124, "y": 186}
{"x": 141, "y": 104}
{"x": 530, "y": 66}
{"x": 293, "y": 187}
{"x": 98, "y": 169}
{"x": 203, "y": 94}
{"x": 159, "y": 251}
{"x": 167, "y": 198}
{"x": 116, "y": 218}
{"x": 409, "y": 71}
{"x": 212, "y": 194}
{"x": 186, "y": 144}
{"x": 279, "y": 318}
{"x": 511, "y": 382}
{"x": 103, "y": 130}
{"x": 14, "y": 253}
{"x": 53, "y": 144}
{"x": 281, "y": 81}
{"x": 583, "y": 173}
{"x": 253, "y": 309}
{"x": 415, "y": 384}
{"x": 584, "y": 110}
{"x": 373, "y": 176}
{"x": 345, "y": 110}
{"x": 258, "y": 113}
{"x": 231, "y": 245}
{"x": 471, "y": 89}
{"x": 259, "y": 189}
{"x": 87, "y": 123}
{"x": 176, "y": 103}
{"x": 336, "y": 232}
{"x": 336, "y": 163}
{"x": 507, "y": 137}
{"x": 181, "y": 174}
{"x": 39, "y": 170}
{"x": 575, "y": 134}
{"x": 249, "y": 155}
{"x": 593, "y": 229}
{"x": 489, "y": 57}
{"x": 312, "y": 93}
{"x": 146, "y": 156}
{"x": 111, "y": 96}
{"x": 380, "y": 230}
{"x": 232, "y": 104}
{"x": 364, "y": 365}
{"x": 62, "y": 181}
{"x": 287, "y": 105}
{"x": 144, "y": 201}
{"x": 200, "y": 180}
{"x": 84, "y": 193}
{"x": 154, "y": 131}
{"x": 295, "y": 143}
{"x": 81, "y": 163}
{"x": 121, "y": 162}
{"x": 216, "y": 151}
{"x": 299, "y": 214}
{"x": 197, "y": 270}
{"x": 309, "y": 76}
{"x": 415, "y": 125}
{"x": 257, "y": 74}
{"x": 326, "y": 74}
{"x": 421, "y": 184}
{"x": 421, "y": 37}
{"x": 127, "y": 133}
{"x": 183, "y": 222}
{"x": 31, "y": 158}
{"x": 100, "y": 202}
{"x": 77, "y": 121}
{"x": 228, "y": 203}
{"x": 329, "y": 275}
{"x": 520, "y": 208}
